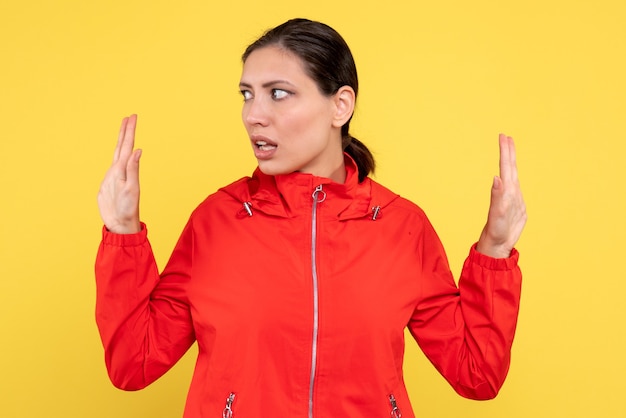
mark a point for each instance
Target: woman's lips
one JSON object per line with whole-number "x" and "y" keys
{"x": 263, "y": 147}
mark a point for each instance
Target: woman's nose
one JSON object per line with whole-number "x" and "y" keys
{"x": 255, "y": 112}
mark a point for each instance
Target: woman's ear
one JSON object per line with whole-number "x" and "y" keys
{"x": 344, "y": 101}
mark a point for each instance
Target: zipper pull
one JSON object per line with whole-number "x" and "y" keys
{"x": 228, "y": 410}
{"x": 317, "y": 192}
{"x": 395, "y": 411}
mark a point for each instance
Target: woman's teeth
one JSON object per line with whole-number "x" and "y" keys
{"x": 264, "y": 146}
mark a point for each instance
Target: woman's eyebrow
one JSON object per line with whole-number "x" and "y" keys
{"x": 266, "y": 84}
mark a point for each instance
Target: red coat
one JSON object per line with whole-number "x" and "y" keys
{"x": 299, "y": 305}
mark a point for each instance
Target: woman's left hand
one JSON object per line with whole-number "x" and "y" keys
{"x": 507, "y": 211}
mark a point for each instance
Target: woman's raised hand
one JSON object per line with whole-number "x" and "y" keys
{"x": 118, "y": 198}
{"x": 507, "y": 211}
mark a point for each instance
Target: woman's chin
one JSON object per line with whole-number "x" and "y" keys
{"x": 273, "y": 169}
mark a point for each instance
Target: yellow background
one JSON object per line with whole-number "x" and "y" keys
{"x": 439, "y": 80}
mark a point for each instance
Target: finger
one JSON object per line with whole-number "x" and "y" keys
{"x": 505, "y": 157}
{"x": 128, "y": 139}
{"x": 132, "y": 169}
{"x": 120, "y": 139}
{"x": 513, "y": 160}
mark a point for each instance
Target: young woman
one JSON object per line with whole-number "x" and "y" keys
{"x": 298, "y": 282}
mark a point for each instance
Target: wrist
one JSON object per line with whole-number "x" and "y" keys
{"x": 494, "y": 251}
{"x": 133, "y": 227}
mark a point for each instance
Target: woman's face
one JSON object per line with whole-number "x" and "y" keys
{"x": 291, "y": 124}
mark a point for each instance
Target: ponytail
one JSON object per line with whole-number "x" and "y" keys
{"x": 361, "y": 155}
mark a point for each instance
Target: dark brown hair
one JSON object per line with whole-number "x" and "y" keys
{"x": 329, "y": 62}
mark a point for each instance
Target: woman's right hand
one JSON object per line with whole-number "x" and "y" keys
{"x": 118, "y": 198}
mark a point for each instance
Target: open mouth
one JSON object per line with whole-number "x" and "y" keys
{"x": 265, "y": 146}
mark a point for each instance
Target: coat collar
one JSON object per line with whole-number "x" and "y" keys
{"x": 290, "y": 195}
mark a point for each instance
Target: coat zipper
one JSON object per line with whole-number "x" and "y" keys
{"x": 316, "y": 201}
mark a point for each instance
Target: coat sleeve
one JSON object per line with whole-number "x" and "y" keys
{"x": 143, "y": 318}
{"x": 467, "y": 332}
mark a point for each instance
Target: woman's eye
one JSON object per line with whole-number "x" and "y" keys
{"x": 278, "y": 94}
{"x": 246, "y": 95}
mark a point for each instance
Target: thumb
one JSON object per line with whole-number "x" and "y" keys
{"x": 496, "y": 190}
{"x": 497, "y": 184}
